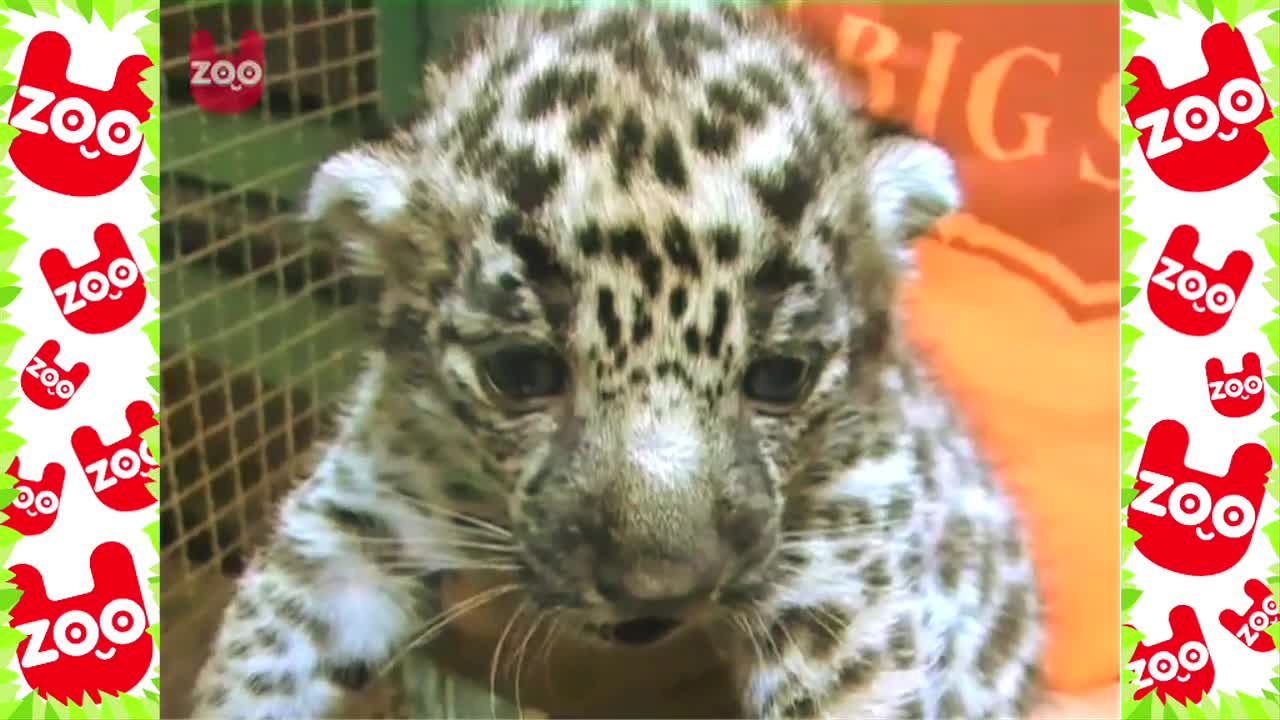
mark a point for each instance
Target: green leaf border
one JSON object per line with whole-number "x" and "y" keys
{"x": 1237, "y": 706}
{"x": 112, "y": 707}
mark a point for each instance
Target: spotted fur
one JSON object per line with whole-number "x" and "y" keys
{"x": 661, "y": 198}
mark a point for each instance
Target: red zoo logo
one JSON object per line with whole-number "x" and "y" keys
{"x": 48, "y": 385}
{"x": 117, "y": 473}
{"x": 76, "y": 140}
{"x": 91, "y": 643}
{"x": 1179, "y": 667}
{"x": 1202, "y": 136}
{"x": 104, "y": 294}
{"x": 1238, "y": 394}
{"x": 1191, "y": 522}
{"x": 222, "y": 84}
{"x": 1251, "y": 628}
{"x": 35, "y": 508}
{"x": 1190, "y": 297}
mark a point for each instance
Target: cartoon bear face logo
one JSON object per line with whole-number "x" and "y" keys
{"x": 1192, "y": 522}
{"x": 1202, "y": 136}
{"x": 222, "y": 84}
{"x": 1190, "y": 297}
{"x": 1237, "y": 394}
{"x": 117, "y": 473}
{"x": 104, "y": 294}
{"x": 1251, "y": 628}
{"x": 36, "y": 507}
{"x": 1178, "y": 668}
{"x": 92, "y": 643}
{"x": 76, "y": 140}
{"x": 48, "y": 385}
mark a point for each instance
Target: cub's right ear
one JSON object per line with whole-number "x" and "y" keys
{"x": 362, "y": 197}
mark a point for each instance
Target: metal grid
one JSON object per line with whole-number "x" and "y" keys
{"x": 258, "y": 335}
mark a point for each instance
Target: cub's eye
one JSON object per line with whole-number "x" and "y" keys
{"x": 526, "y": 372}
{"x": 776, "y": 380}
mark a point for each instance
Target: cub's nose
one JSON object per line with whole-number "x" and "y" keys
{"x": 662, "y": 588}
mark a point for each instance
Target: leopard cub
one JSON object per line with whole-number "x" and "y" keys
{"x": 637, "y": 354}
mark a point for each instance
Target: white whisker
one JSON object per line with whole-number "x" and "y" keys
{"x": 520, "y": 653}
{"x": 497, "y": 653}
{"x": 433, "y": 626}
{"x": 476, "y": 523}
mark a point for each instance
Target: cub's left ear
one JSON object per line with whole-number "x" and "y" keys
{"x": 362, "y": 196}
{"x": 912, "y": 184}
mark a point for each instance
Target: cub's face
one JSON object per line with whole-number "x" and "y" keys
{"x": 634, "y": 355}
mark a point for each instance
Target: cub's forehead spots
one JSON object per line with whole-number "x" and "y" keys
{"x": 557, "y": 87}
{"x": 530, "y": 180}
{"x": 607, "y": 319}
{"x": 654, "y": 179}
{"x": 649, "y": 286}
{"x": 536, "y": 114}
{"x": 538, "y": 255}
{"x": 786, "y": 191}
{"x": 625, "y": 329}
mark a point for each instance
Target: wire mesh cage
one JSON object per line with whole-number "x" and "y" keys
{"x": 259, "y": 335}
